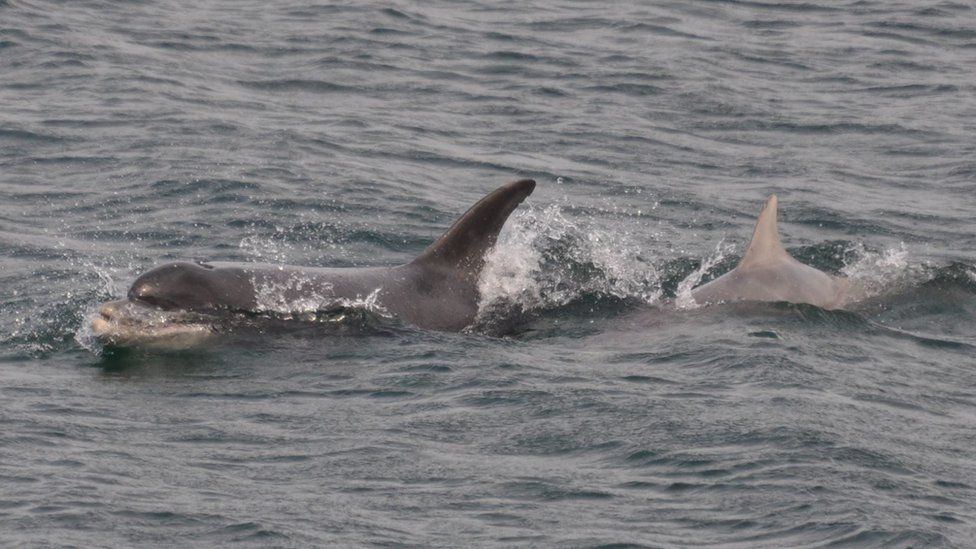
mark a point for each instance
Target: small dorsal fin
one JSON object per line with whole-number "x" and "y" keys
{"x": 464, "y": 245}
{"x": 765, "y": 246}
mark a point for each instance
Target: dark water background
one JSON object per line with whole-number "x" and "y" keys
{"x": 137, "y": 132}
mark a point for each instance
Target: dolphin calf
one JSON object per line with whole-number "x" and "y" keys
{"x": 177, "y": 304}
{"x": 768, "y": 273}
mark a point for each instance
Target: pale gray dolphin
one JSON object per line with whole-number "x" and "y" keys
{"x": 174, "y": 304}
{"x": 768, "y": 273}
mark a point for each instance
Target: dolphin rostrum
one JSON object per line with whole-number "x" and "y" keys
{"x": 438, "y": 290}
{"x": 768, "y": 273}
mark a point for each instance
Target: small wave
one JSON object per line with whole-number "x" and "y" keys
{"x": 292, "y": 85}
{"x": 25, "y": 135}
{"x": 659, "y": 30}
{"x": 627, "y": 88}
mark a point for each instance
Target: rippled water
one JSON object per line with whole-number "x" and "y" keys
{"x": 589, "y": 404}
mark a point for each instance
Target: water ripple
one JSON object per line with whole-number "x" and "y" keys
{"x": 584, "y": 408}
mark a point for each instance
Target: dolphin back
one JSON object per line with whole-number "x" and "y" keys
{"x": 768, "y": 272}
{"x": 464, "y": 245}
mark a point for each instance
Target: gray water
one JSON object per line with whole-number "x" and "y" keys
{"x": 590, "y": 404}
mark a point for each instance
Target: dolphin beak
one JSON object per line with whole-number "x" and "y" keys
{"x": 101, "y": 324}
{"x": 132, "y": 324}
{"x": 107, "y": 311}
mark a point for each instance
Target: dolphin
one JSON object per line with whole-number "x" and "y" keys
{"x": 768, "y": 273}
{"x": 178, "y": 304}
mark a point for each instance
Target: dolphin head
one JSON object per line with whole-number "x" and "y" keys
{"x": 183, "y": 286}
{"x": 173, "y": 306}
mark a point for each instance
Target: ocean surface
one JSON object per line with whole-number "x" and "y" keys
{"x": 591, "y": 403}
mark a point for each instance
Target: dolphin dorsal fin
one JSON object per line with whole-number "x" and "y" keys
{"x": 765, "y": 246}
{"x": 464, "y": 245}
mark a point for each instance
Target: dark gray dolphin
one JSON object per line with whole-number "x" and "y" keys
{"x": 768, "y": 273}
{"x": 438, "y": 290}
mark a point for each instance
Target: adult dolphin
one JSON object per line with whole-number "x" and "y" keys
{"x": 768, "y": 273}
{"x": 176, "y": 302}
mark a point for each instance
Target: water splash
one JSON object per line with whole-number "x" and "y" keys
{"x": 85, "y": 335}
{"x": 114, "y": 280}
{"x": 683, "y": 298}
{"x": 544, "y": 259}
{"x": 296, "y": 293}
{"x": 305, "y": 239}
{"x": 267, "y": 248}
{"x": 302, "y": 297}
{"x": 873, "y": 274}
{"x": 113, "y": 285}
